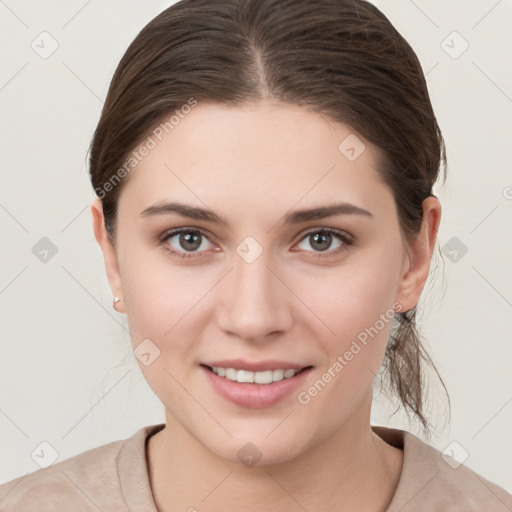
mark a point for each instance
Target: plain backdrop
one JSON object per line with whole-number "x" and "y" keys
{"x": 68, "y": 376}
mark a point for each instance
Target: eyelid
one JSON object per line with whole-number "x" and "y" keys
{"x": 335, "y": 231}
{"x": 174, "y": 231}
{"x": 347, "y": 241}
{"x": 171, "y": 233}
{"x": 346, "y": 238}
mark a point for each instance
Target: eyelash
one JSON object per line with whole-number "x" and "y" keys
{"x": 347, "y": 242}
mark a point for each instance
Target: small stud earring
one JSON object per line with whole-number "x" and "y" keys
{"x": 116, "y": 300}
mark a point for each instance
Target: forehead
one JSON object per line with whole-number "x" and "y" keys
{"x": 269, "y": 154}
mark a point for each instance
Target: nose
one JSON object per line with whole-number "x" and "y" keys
{"x": 254, "y": 302}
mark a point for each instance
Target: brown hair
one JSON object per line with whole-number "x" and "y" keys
{"x": 341, "y": 58}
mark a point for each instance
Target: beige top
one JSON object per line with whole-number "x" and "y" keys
{"x": 114, "y": 478}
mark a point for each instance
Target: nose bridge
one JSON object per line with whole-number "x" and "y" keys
{"x": 255, "y": 302}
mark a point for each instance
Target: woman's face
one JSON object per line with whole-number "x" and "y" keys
{"x": 267, "y": 285}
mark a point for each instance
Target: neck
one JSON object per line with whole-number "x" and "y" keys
{"x": 353, "y": 468}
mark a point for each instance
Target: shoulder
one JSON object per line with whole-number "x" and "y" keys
{"x": 432, "y": 481}
{"x": 74, "y": 480}
{"x": 88, "y": 481}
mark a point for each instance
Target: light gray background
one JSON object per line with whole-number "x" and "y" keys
{"x": 67, "y": 372}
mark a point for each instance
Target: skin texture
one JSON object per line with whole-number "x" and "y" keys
{"x": 253, "y": 165}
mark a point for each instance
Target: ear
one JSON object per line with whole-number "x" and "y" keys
{"x": 419, "y": 254}
{"x": 109, "y": 252}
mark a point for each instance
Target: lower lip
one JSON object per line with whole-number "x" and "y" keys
{"x": 255, "y": 396}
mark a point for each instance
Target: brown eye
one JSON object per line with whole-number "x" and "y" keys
{"x": 189, "y": 241}
{"x": 184, "y": 243}
{"x": 321, "y": 241}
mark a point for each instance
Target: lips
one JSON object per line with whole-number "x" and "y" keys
{"x": 255, "y": 395}
{"x": 255, "y": 366}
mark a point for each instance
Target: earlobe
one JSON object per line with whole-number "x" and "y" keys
{"x": 109, "y": 253}
{"x": 418, "y": 257}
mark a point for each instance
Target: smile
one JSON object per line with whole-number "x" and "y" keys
{"x": 264, "y": 377}
{"x": 255, "y": 389}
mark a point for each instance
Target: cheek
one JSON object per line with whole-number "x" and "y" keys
{"x": 159, "y": 293}
{"x": 349, "y": 300}
{"x": 355, "y": 306}
{"x": 161, "y": 308}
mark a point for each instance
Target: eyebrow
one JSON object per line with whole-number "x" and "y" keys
{"x": 294, "y": 217}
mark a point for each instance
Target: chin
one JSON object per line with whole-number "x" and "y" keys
{"x": 257, "y": 449}
{"x": 250, "y": 455}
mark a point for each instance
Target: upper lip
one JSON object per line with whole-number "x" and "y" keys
{"x": 255, "y": 366}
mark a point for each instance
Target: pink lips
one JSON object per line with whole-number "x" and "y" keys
{"x": 250, "y": 395}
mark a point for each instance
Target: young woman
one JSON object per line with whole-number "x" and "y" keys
{"x": 264, "y": 173}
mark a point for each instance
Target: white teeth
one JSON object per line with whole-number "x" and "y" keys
{"x": 277, "y": 375}
{"x": 244, "y": 376}
{"x": 265, "y": 377}
{"x": 230, "y": 374}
